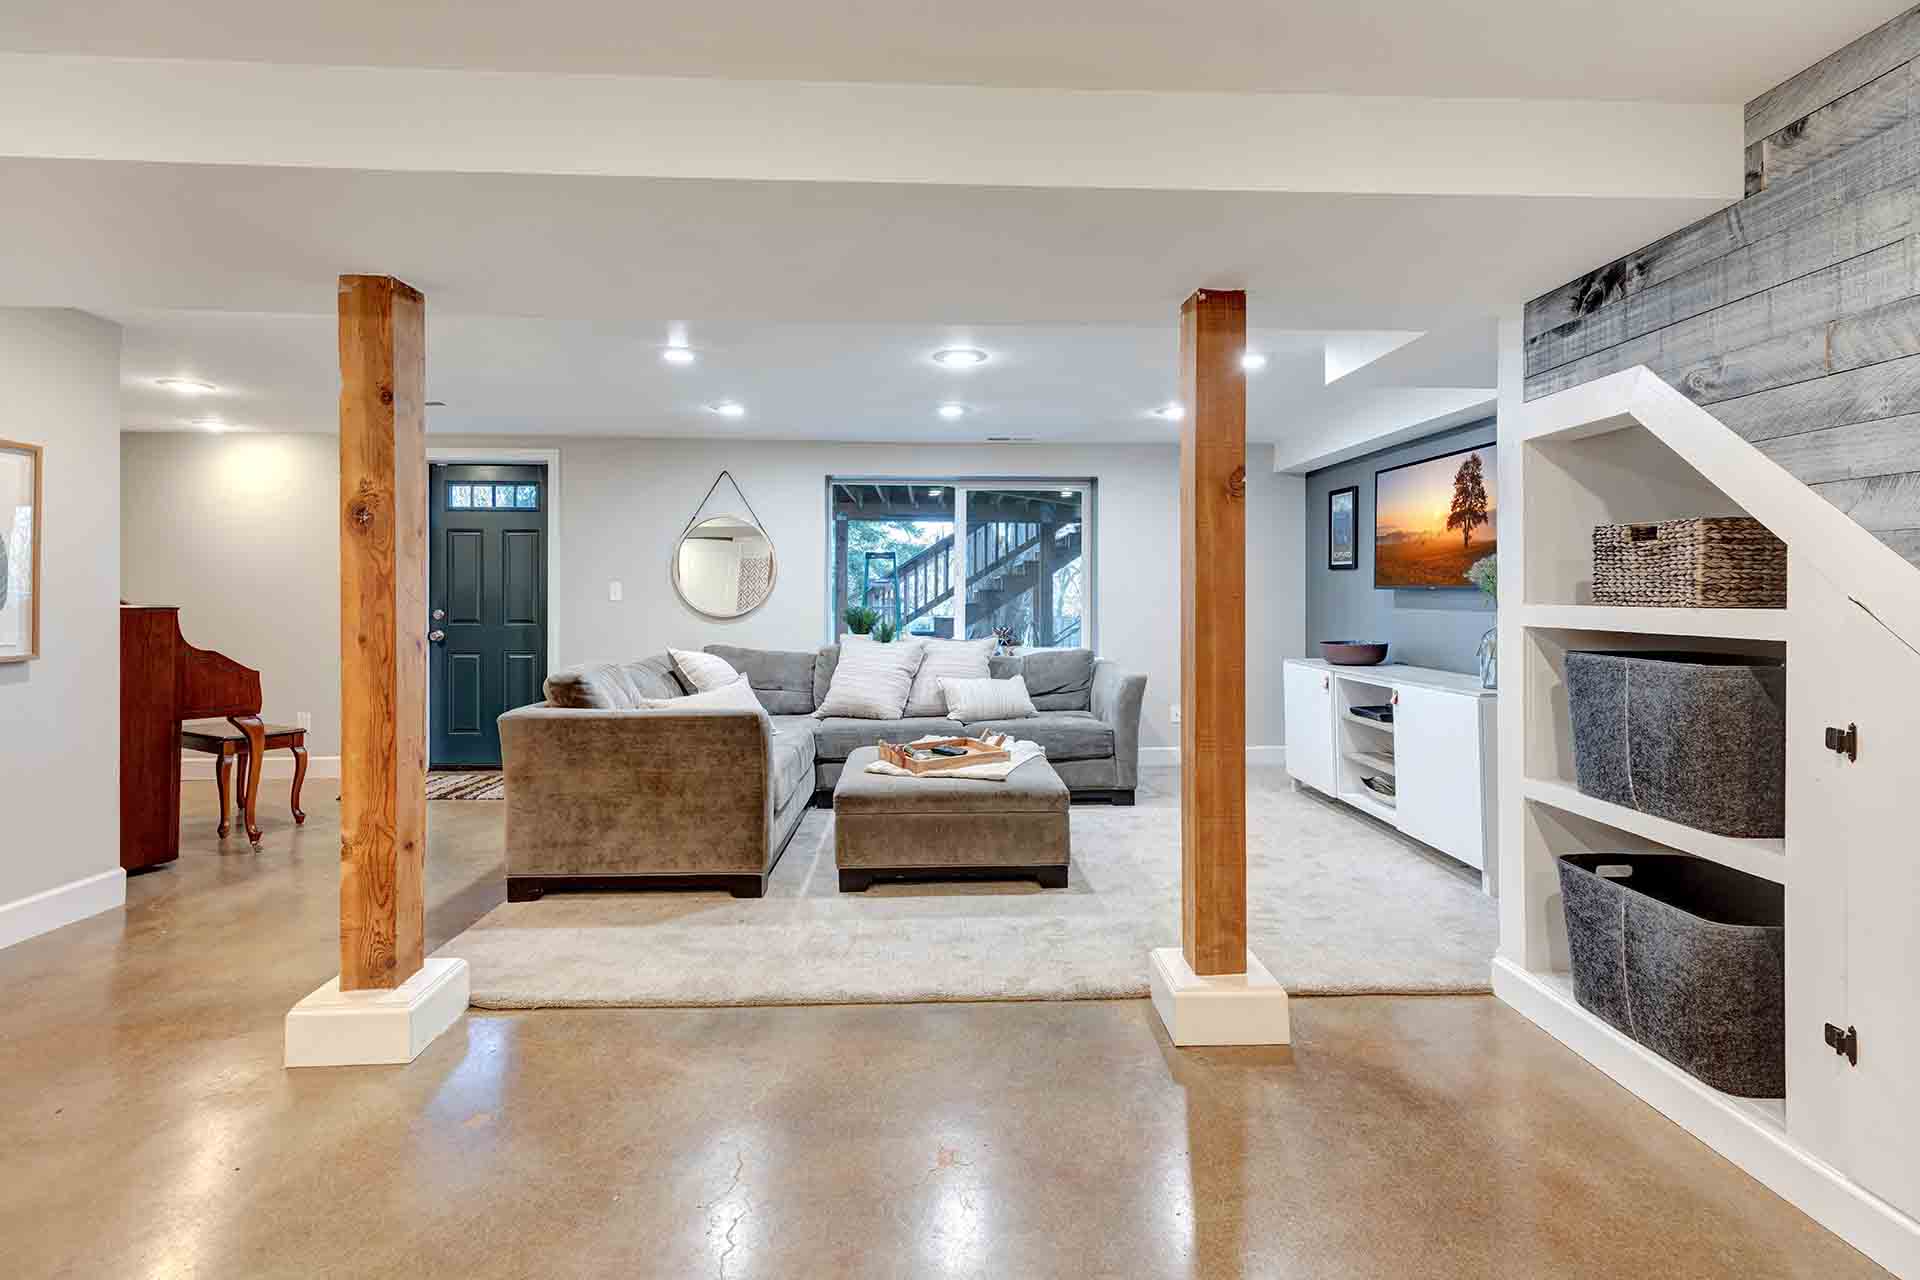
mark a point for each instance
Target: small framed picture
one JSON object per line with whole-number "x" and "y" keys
{"x": 1343, "y": 540}
{"x": 19, "y": 551}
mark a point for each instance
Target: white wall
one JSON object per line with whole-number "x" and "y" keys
{"x": 621, "y": 503}
{"x": 242, "y": 532}
{"x": 59, "y": 770}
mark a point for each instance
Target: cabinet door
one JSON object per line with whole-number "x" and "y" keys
{"x": 1853, "y": 894}
{"x": 1310, "y": 726}
{"x": 1437, "y": 773}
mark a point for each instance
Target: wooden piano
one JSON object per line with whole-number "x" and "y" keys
{"x": 164, "y": 680}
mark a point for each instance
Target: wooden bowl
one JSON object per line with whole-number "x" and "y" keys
{"x": 1352, "y": 653}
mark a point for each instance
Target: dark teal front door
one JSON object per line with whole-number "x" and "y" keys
{"x": 487, "y": 576}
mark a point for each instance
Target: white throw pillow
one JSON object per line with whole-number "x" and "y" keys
{"x": 703, "y": 671}
{"x": 971, "y": 701}
{"x": 947, "y": 659}
{"x": 871, "y": 681}
{"x": 736, "y": 695}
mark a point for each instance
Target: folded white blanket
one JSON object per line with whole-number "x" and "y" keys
{"x": 1023, "y": 751}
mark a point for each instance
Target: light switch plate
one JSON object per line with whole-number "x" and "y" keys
{"x": 1173, "y": 713}
{"x": 614, "y": 591}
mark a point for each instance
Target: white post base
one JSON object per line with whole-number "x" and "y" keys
{"x": 1248, "y": 1008}
{"x": 335, "y": 1028}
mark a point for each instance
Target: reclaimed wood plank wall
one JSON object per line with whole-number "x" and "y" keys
{"x": 1794, "y": 315}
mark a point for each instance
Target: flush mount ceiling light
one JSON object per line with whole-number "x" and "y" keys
{"x": 1252, "y": 360}
{"x": 677, "y": 355}
{"x": 186, "y": 386}
{"x": 1171, "y": 412}
{"x": 959, "y": 357}
{"x": 728, "y": 409}
{"x": 951, "y": 411}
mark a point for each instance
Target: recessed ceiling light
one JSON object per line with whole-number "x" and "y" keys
{"x": 1171, "y": 412}
{"x": 959, "y": 357}
{"x": 728, "y": 409}
{"x": 436, "y": 404}
{"x": 186, "y": 386}
{"x": 951, "y": 411}
{"x": 1251, "y": 360}
{"x": 677, "y": 355}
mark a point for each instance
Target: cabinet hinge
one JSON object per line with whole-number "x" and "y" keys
{"x": 1845, "y": 1043}
{"x": 1845, "y": 741}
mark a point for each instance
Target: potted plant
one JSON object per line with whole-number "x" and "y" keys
{"x": 1485, "y": 574}
{"x": 1009, "y": 639}
{"x": 860, "y": 619}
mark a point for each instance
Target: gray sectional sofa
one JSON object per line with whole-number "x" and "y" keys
{"x": 602, "y": 794}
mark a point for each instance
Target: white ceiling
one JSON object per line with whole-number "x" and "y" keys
{"x": 1700, "y": 51}
{"x": 813, "y": 304}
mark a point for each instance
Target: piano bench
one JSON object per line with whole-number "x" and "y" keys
{"x": 228, "y": 745}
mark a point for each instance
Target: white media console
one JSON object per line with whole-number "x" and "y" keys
{"x": 1439, "y": 750}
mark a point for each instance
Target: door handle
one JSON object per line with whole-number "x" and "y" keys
{"x": 438, "y": 614}
{"x": 436, "y": 635}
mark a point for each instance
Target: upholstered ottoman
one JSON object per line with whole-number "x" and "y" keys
{"x": 893, "y": 828}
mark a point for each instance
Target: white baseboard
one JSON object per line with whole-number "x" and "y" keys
{"x": 198, "y": 766}
{"x": 32, "y": 916}
{"x": 1731, "y": 1126}
{"x": 1168, "y": 757}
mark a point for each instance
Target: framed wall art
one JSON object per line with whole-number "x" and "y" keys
{"x": 1343, "y": 528}
{"x": 19, "y": 551}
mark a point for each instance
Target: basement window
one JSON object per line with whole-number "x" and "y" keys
{"x": 1022, "y": 566}
{"x": 493, "y": 497}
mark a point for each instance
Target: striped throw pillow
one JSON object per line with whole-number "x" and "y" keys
{"x": 947, "y": 659}
{"x": 871, "y": 681}
{"x": 970, "y": 701}
{"x": 702, "y": 671}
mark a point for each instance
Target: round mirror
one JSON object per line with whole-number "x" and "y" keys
{"x": 723, "y": 567}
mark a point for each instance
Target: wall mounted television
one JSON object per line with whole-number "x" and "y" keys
{"x": 1433, "y": 520}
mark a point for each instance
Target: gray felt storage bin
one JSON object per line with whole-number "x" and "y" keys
{"x": 1697, "y": 738}
{"x": 1686, "y": 956}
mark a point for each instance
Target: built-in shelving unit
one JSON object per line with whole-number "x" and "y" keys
{"x": 1630, "y": 449}
{"x": 1760, "y": 857}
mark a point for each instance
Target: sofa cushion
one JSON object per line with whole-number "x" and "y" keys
{"x": 792, "y": 762}
{"x": 782, "y": 679}
{"x": 614, "y": 686}
{"x": 1063, "y": 735}
{"x": 1058, "y": 679}
{"x": 736, "y": 696}
{"x": 837, "y": 737}
{"x": 824, "y": 661}
{"x": 947, "y": 659}
{"x": 871, "y": 681}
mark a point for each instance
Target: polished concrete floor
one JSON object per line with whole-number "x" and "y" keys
{"x": 147, "y": 1128}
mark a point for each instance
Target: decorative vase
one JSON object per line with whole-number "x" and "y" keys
{"x": 1489, "y": 656}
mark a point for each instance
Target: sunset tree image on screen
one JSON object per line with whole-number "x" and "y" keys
{"x": 1469, "y": 500}
{"x": 1434, "y": 520}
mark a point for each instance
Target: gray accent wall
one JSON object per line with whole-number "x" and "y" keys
{"x": 1425, "y": 628}
{"x": 1794, "y": 315}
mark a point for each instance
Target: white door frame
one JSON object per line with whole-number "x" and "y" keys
{"x": 551, "y": 459}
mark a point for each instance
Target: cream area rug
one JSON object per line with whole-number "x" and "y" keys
{"x": 1337, "y": 904}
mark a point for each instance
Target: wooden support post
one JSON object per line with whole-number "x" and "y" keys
{"x": 383, "y": 625}
{"x": 1213, "y": 633}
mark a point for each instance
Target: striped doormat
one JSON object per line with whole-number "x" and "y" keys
{"x": 466, "y": 784}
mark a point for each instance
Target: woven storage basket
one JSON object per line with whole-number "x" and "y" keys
{"x": 1709, "y": 562}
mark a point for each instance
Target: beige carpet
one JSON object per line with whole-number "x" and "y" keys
{"x": 1338, "y": 904}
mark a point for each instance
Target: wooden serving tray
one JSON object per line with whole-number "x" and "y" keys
{"x": 989, "y": 750}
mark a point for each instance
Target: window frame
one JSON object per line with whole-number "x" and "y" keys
{"x": 1088, "y": 487}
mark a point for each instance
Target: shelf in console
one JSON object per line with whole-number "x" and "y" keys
{"x": 1766, "y": 858}
{"x": 1733, "y": 624}
{"x": 1384, "y": 726}
{"x": 1379, "y": 762}
{"x": 1366, "y": 801}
